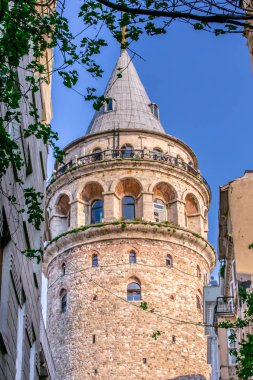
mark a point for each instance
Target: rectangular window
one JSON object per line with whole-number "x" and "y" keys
{"x": 42, "y": 166}
{"x": 26, "y": 235}
{"x": 93, "y": 339}
{"x": 19, "y": 345}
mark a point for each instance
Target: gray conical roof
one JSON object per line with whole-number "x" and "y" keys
{"x": 131, "y": 108}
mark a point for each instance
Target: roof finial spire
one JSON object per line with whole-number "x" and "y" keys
{"x": 123, "y": 32}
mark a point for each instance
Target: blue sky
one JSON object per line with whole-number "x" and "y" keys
{"x": 203, "y": 85}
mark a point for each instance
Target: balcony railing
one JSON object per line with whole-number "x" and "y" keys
{"x": 134, "y": 154}
{"x": 225, "y": 306}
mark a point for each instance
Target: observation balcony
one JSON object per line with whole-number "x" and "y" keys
{"x": 225, "y": 306}
{"x": 125, "y": 154}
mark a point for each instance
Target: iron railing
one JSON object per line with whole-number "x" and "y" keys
{"x": 225, "y": 306}
{"x": 120, "y": 154}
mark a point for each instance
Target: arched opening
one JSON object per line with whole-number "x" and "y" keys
{"x": 63, "y": 269}
{"x": 60, "y": 221}
{"x": 165, "y": 203}
{"x": 92, "y": 196}
{"x": 157, "y": 153}
{"x": 96, "y": 211}
{"x": 128, "y": 208}
{"x": 127, "y": 151}
{"x": 132, "y": 257}
{"x": 169, "y": 261}
{"x": 129, "y": 191}
{"x": 134, "y": 291}
{"x": 63, "y": 298}
{"x": 192, "y": 214}
{"x": 199, "y": 301}
{"x": 97, "y": 154}
{"x": 95, "y": 261}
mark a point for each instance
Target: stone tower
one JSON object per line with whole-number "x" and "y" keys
{"x": 128, "y": 256}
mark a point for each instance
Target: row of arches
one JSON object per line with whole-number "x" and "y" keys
{"x": 127, "y": 202}
{"x": 133, "y": 293}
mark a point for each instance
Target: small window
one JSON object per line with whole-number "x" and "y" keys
{"x": 128, "y": 208}
{"x": 63, "y": 296}
{"x": 157, "y": 153}
{"x": 97, "y": 154}
{"x": 159, "y": 210}
{"x": 95, "y": 261}
{"x": 132, "y": 257}
{"x": 155, "y": 110}
{"x": 96, "y": 211}
{"x": 63, "y": 268}
{"x": 127, "y": 151}
{"x": 134, "y": 292}
{"x": 198, "y": 303}
{"x": 108, "y": 106}
{"x": 93, "y": 338}
{"x": 198, "y": 272}
{"x": 169, "y": 261}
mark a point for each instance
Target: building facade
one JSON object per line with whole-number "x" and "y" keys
{"x": 235, "y": 236}
{"x": 128, "y": 255}
{"x": 24, "y": 352}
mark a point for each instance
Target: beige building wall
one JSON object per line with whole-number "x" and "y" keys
{"x": 22, "y": 335}
{"x": 235, "y": 235}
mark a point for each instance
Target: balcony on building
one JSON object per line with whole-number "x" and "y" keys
{"x": 225, "y": 306}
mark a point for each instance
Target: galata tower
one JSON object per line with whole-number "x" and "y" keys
{"x": 128, "y": 255}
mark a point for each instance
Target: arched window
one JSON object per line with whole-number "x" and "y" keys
{"x": 127, "y": 151}
{"x": 63, "y": 268}
{"x": 157, "y": 152}
{"x": 96, "y": 211}
{"x": 132, "y": 257}
{"x": 108, "y": 105}
{"x": 169, "y": 261}
{"x": 134, "y": 292}
{"x": 198, "y": 272}
{"x": 63, "y": 296}
{"x": 95, "y": 261}
{"x": 159, "y": 210}
{"x": 198, "y": 302}
{"x": 97, "y": 154}
{"x": 128, "y": 208}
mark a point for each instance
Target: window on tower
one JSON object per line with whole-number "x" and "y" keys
{"x": 63, "y": 296}
{"x": 132, "y": 257}
{"x": 134, "y": 291}
{"x": 127, "y": 151}
{"x": 95, "y": 261}
{"x": 96, "y": 211}
{"x": 198, "y": 302}
{"x": 63, "y": 268}
{"x": 169, "y": 261}
{"x": 155, "y": 110}
{"x": 159, "y": 210}
{"x": 128, "y": 208}
{"x": 108, "y": 105}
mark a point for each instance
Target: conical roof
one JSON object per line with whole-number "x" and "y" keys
{"x": 131, "y": 104}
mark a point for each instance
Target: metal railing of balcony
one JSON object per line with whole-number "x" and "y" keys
{"x": 135, "y": 154}
{"x": 225, "y": 305}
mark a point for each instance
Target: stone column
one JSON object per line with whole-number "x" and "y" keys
{"x": 147, "y": 207}
{"x": 181, "y": 213}
{"x": 111, "y": 207}
{"x": 78, "y": 217}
